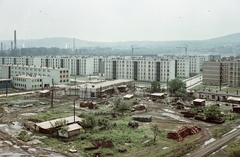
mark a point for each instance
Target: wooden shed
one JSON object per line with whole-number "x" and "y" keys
{"x": 233, "y": 100}
{"x": 73, "y": 129}
{"x": 199, "y": 102}
{"x": 46, "y": 127}
{"x": 156, "y": 96}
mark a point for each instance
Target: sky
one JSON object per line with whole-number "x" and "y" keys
{"x": 119, "y": 20}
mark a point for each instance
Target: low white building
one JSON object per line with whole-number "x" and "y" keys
{"x": 60, "y": 76}
{"x": 31, "y": 82}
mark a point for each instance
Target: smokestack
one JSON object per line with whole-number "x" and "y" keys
{"x": 1, "y": 46}
{"x": 15, "y": 39}
{"x": 11, "y": 45}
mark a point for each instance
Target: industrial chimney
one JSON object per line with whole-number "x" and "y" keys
{"x": 15, "y": 39}
{"x": 1, "y": 46}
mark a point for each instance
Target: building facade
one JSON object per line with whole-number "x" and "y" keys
{"x": 215, "y": 72}
{"x": 59, "y": 75}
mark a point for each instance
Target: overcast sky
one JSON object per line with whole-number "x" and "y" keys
{"x": 119, "y": 20}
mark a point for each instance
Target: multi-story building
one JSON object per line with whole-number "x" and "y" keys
{"x": 59, "y": 75}
{"x": 144, "y": 68}
{"x": 140, "y": 68}
{"x": 77, "y": 65}
{"x": 215, "y": 72}
{"x": 234, "y": 73}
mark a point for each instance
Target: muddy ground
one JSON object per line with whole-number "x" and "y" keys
{"x": 13, "y": 119}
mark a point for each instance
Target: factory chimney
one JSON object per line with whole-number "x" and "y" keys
{"x": 1, "y": 46}
{"x": 15, "y": 39}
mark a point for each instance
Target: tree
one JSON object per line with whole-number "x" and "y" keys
{"x": 117, "y": 101}
{"x": 156, "y": 131}
{"x": 123, "y": 107}
{"x": 62, "y": 124}
{"x": 155, "y": 87}
{"x": 177, "y": 87}
{"x": 212, "y": 112}
{"x": 89, "y": 122}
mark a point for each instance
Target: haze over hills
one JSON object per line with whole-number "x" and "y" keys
{"x": 226, "y": 45}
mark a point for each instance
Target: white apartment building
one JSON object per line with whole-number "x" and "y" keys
{"x": 146, "y": 68}
{"x": 77, "y": 65}
{"x": 140, "y": 68}
{"x": 59, "y": 75}
{"x": 25, "y": 60}
{"x": 31, "y": 82}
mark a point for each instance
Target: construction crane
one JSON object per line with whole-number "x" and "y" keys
{"x": 134, "y": 48}
{"x": 185, "y": 47}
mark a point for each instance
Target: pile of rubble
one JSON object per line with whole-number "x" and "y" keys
{"x": 180, "y": 133}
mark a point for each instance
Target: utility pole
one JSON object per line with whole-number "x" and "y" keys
{"x": 74, "y": 109}
{"x": 6, "y": 88}
{"x": 52, "y": 93}
{"x": 221, "y": 76}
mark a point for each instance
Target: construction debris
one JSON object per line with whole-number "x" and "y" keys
{"x": 183, "y": 131}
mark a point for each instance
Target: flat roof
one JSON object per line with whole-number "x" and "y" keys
{"x": 199, "y": 100}
{"x": 47, "y": 124}
{"x": 74, "y": 126}
{"x": 102, "y": 84}
{"x": 233, "y": 99}
{"x": 35, "y": 67}
{"x": 157, "y": 94}
{"x": 44, "y": 91}
{"x": 30, "y": 77}
{"x": 128, "y": 96}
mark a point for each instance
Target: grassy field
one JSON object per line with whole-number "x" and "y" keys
{"x": 122, "y": 136}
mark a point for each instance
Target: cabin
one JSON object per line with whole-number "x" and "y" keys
{"x": 73, "y": 130}
{"x": 48, "y": 126}
{"x": 156, "y": 96}
{"x": 199, "y": 102}
{"x": 234, "y": 100}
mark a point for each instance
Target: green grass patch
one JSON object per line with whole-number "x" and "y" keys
{"x": 218, "y": 131}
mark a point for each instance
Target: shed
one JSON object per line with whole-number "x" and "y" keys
{"x": 73, "y": 129}
{"x": 46, "y": 127}
{"x": 143, "y": 118}
{"x": 236, "y": 109}
{"x": 233, "y": 100}
{"x": 199, "y": 102}
{"x": 155, "y": 96}
{"x": 128, "y": 96}
{"x": 45, "y": 93}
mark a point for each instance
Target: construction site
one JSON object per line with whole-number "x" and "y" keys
{"x": 109, "y": 118}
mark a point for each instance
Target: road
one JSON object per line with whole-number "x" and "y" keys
{"x": 207, "y": 150}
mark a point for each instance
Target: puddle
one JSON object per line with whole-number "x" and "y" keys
{"x": 32, "y": 149}
{"x": 15, "y": 146}
{"x": 174, "y": 117}
{"x": 28, "y": 114}
{"x": 16, "y": 125}
{"x": 209, "y": 141}
{"x": 167, "y": 110}
{"x": 3, "y": 125}
{"x": 165, "y": 148}
{"x": 8, "y": 142}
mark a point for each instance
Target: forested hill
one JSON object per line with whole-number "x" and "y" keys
{"x": 226, "y": 45}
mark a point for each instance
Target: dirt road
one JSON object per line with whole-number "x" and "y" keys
{"x": 206, "y": 150}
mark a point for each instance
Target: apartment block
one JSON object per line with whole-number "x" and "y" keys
{"x": 234, "y": 73}
{"x": 215, "y": 72}
{"x": 140, "y": 68}
{"x": 59, "y": 75}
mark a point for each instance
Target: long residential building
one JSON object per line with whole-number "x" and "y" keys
{"x": 141, "y": 68}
